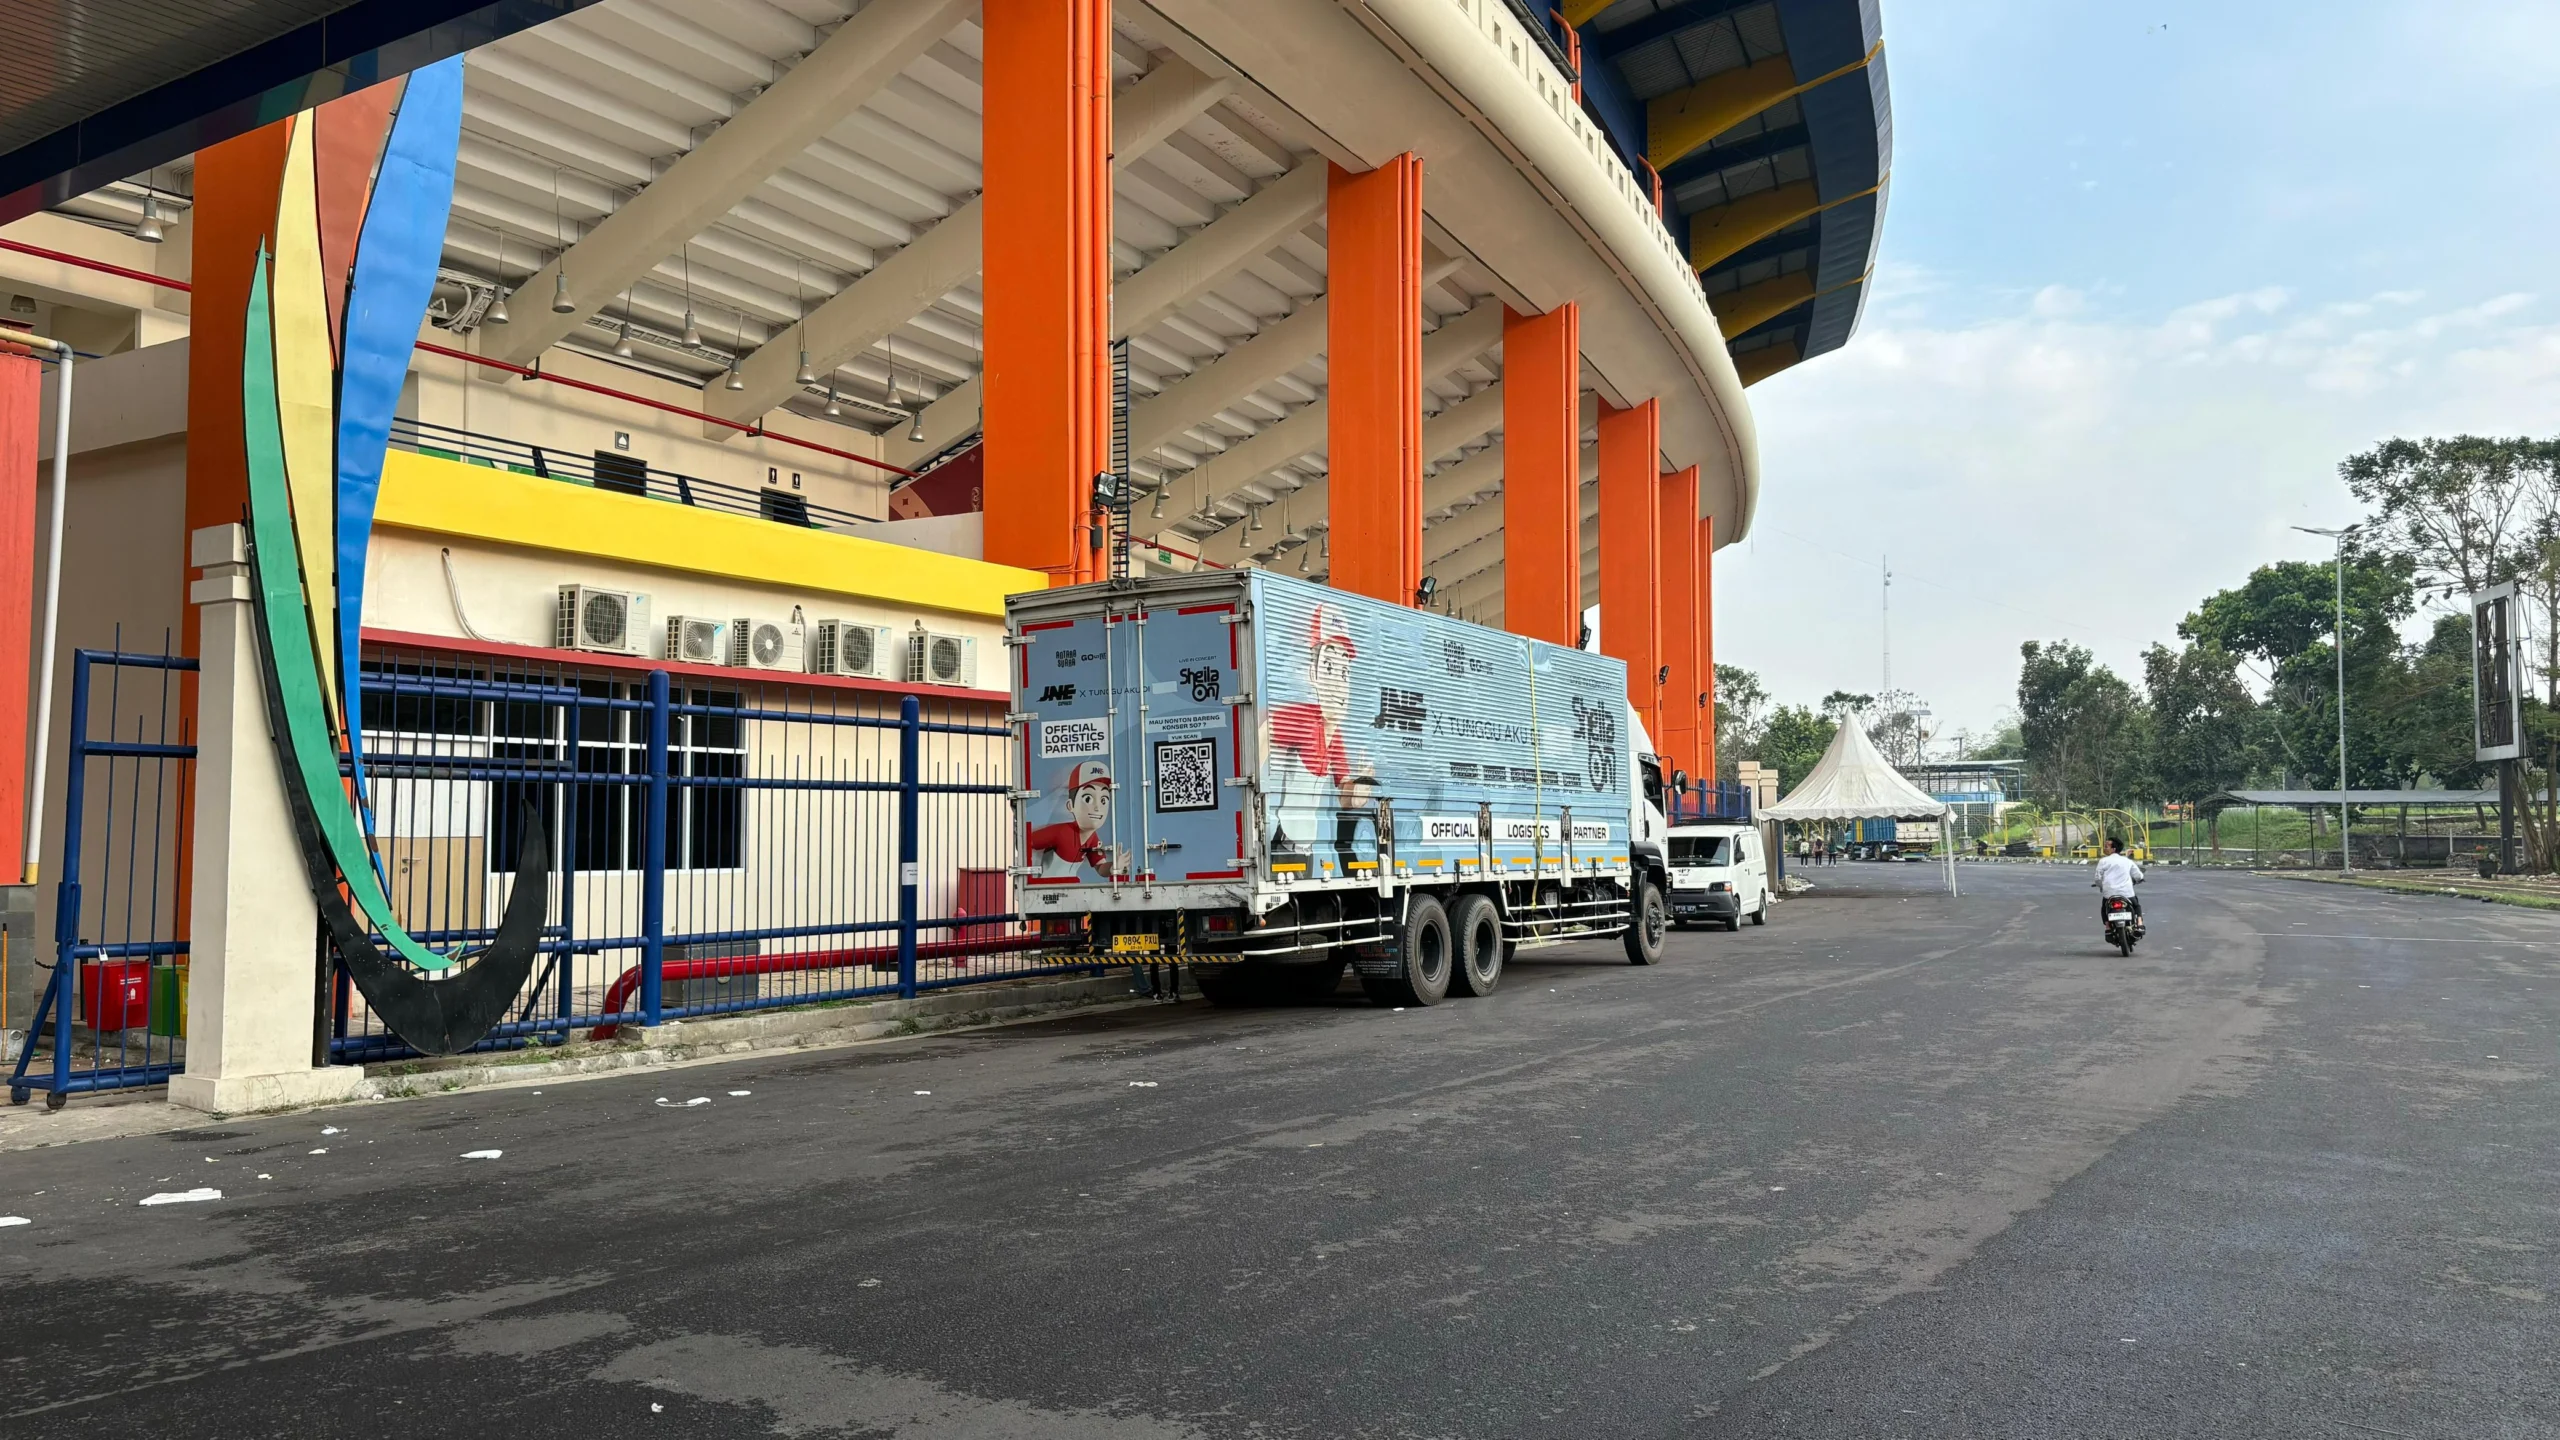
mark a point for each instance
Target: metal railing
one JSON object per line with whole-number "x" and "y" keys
{"x": 606, "y": 470}
{"x": 113, "y": 1012}
{"x": 715, "y": 848}
{"x": 1711, "y": 800}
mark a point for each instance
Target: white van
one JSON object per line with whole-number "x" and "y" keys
{"x": 1719, "y": 871}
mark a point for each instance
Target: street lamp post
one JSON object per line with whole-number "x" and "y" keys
{"x": 2338, "y": 569}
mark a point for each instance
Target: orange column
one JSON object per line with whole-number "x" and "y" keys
{"x": 1542, "y": 474}
{"x": 1631, "y": 552}
{"x": 1373, "y": 378}
{"x": 1047, "y": 80}
{"x": 1680, "y": 622}
{"x": 21, "y": 420}
{"x": 237, "y": 184}
{"x": 1707, "y": 758}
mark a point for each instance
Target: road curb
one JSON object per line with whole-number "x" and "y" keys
{"x": 2416, "y": 887}
{"x": 674, "y": 1046}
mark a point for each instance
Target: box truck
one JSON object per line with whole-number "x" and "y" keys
{"x": 1269, "y": 780}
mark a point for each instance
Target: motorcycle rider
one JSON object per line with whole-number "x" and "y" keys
{"x": 2117, "y": 875}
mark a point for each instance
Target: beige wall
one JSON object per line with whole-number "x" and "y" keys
{"x": 532, "y": 412}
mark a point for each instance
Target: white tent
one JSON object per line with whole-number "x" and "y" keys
{"x": 1854, "y": 782}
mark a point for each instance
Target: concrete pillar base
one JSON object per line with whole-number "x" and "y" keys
{"x": 246, "y": 1094}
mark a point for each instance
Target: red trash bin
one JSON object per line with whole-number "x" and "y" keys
{"x": 115, "y": 994}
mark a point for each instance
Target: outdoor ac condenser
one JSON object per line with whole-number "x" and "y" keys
{"x": 694, "y": 640}
{"x": 764, "y": 645}
{"x": 848, "y": 647}
{"x": 615, "y": 622}
{"x": 935, "y": 659}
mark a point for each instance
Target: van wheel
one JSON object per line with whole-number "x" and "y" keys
{"x": 1428, "y": 959}
{"x": 1650, "y": 920}
{"x": 1476, "y": 928}
{"x": 1761, "y": 915}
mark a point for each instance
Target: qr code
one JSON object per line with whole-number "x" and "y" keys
{"x": 1186, "y": 775}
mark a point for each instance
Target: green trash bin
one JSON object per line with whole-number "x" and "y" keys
{"x": 168, "y": 1000}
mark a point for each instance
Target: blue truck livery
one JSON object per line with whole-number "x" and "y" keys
{"x": 1237, "y": 766}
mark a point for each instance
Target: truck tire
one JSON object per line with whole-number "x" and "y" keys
{"x": 1427, "y": 959}
{"x": 1475, "y": 927}
{"x": 1649, "y": 920}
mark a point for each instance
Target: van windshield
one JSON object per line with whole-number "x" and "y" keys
{"x": 1698, "y": 849}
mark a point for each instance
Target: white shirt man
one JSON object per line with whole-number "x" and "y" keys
{"x": 2118, "y": 875}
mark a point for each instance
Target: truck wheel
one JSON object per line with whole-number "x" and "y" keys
{"x": 1477, "y": 929}
{"x": 1427, "y": 959}
{"x": 1651, "y": 919}
{"x": 1226, "y": 986}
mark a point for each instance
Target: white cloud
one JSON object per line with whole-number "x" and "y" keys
{"x": 2055, "y": 472}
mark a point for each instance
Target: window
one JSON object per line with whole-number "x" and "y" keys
{"x": 621, "y": 474}
{"x": 1697, "y": 850}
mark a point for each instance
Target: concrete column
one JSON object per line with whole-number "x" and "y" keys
{"x": 1631, "y": 552}
{"x": 251, "y": 976}
{"x": 1373, "y": 378}
{"x": 1047, "y": 220}
{"x": 1542, "y": 474}
{"x": 1680, "y": 621}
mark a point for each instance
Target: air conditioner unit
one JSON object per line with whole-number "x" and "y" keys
{"x": 694, "y": 640}
{"x": 847, "y": 647}
{"x": 941, "y": 659}
{"x": 764, "y": 645}
{"x": 613, "y": 621}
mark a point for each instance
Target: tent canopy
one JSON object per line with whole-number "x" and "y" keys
{"x": 1853, "y": 782}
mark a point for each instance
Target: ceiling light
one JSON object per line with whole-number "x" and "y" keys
{"x": 736, "y": 380}
{"x": 806, "y": 376}
{"x": 1303, "y": 552}
{"x": 1253, "y": 520}
{"x": 622, "y": 339}
{"x": 915, "y": 431}
{"x": 832, "y": 407}
{"x": 1156, "y": 511}
{"x": 692, "y": 332}
{"x": 149, "y": 231}
{"x": 561, "y": 304}
{"x": 497, "y": 310}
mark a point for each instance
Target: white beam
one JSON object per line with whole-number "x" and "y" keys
{"x": 1213, "y": 254}
{"x": 1280, "y": 347}
{"x": 939, "y": 261}
{"x": 861, "y": 58}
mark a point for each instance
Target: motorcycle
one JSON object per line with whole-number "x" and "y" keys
{"x": 2124, "y": 927}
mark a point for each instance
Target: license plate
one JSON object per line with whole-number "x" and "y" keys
{"x": 1134, "y": 945}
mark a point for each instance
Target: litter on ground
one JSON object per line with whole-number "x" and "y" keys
{"x": 8, "y": 1220}
{"x": 482, "y": 1154}
{"x": 181, "y": 1197}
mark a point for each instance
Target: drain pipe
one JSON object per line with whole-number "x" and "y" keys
{"x": 52, "y": 596}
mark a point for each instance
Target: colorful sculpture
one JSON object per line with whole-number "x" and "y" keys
{"x": 319, "y": 384}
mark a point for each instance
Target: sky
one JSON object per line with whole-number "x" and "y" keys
{"x": 2149, "y": 272}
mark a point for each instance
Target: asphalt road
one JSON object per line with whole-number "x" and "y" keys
{"x": 1894, "y": 1165}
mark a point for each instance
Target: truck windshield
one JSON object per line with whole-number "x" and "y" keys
{"x": 1697, "y": 850}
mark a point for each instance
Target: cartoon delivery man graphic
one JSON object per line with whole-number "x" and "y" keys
{"x": 1068, "y": 846}
{"x": 1317, "y": 769}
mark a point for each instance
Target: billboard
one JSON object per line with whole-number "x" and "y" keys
{"x": 2497, "y": 646}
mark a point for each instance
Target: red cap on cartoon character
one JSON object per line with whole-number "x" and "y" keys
{"x": 1325, "y": 627}
{"x": 1090, "y": 772}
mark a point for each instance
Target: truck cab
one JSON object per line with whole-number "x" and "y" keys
{"x": 1719, "y": 874}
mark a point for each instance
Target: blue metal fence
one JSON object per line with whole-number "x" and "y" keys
{"x": 1711, "y": 800}
{"x": 111, "y": 1015}
{"x": 720, "y": 843}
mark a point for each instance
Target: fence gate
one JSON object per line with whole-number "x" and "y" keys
{"x": 114, "y": 1010}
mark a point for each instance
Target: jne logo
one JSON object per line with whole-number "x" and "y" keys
{"x": 1060, "y": 694}
{"x": 1400, "y": 710}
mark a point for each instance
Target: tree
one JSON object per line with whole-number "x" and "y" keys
{"x": 1740, "y": 699}
{"x": 2454, "y": 507}
{"x": 1840, "y": 704}
{"x": 2086, "y": 732}
{"x": 1793, "y": 742}
{"x": 2204, "y": 722}
{"x": 2286, "y": 617}
{"x": 2425, "y": 711}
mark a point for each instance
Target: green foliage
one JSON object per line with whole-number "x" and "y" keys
{"x": 2086, "y": 733}
{"x": 2205, "y": 724}
{"x": 1794, "y": 741}
{"x": 1741, "y": 701}
{"x": 2466, "y": 510}
{"x": 1840, "y": 704}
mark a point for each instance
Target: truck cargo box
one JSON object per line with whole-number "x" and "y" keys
{"x": 1228, "y": 738}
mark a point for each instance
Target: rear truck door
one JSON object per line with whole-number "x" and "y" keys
{"x": 1074, "y": 832}
{"x": 1184, "y": 744}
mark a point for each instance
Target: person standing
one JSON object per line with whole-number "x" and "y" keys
{"x": 1804, "y": 851}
